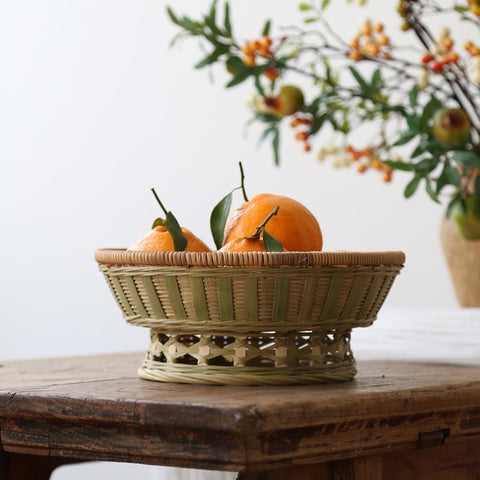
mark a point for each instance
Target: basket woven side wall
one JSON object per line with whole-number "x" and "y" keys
{"x": 246, "y": 300}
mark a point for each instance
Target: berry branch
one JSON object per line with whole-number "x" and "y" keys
{"x": 459, "y": 90}
{"x": 425, "y": 111}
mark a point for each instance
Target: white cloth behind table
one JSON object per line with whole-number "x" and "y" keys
{"x": 428, "y": 335}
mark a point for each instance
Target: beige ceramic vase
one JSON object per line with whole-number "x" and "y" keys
{"x": 463, "y": 261}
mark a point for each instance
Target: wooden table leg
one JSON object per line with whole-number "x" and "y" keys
{"x": 16, "y": 466}
{"x": 364, "y": 468}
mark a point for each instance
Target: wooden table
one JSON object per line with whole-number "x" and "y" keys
{"x": 394, "y": 421}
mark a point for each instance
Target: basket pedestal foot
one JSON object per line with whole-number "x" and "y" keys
{"x": 254, "y": 358}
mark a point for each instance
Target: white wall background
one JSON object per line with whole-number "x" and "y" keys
{"x": 95, "y": 109}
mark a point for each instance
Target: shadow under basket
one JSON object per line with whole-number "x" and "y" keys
{"x": 252, "y": 318}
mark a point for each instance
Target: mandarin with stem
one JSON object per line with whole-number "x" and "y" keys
{"x": 259, "y": 241}
{"x": 166, "y": 235}
{"x": 295, "y": 227}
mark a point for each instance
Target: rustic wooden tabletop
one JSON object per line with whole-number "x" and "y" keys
{"x": 96, "y": 408}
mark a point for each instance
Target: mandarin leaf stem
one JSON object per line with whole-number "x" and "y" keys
{"x": 242, "y": 182}
{"x": 159, "y": 201}
{"x": 261, "y": 227}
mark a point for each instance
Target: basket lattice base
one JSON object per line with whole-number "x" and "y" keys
{"x": 265, "y": 358}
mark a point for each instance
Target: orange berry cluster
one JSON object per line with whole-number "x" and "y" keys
{"x": 402, "y": 10}
{"x": 371, "y": 41}
{"x": 472, "y": 49}
{"x": 302, "y": 135}
{"x": 259, "y": 48}
{"x": 368, "y": 158}
{"x": 443, "y": 55}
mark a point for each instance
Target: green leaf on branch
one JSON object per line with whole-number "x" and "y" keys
{"x": 193, "y": 28}
{"x": 259, "y": 86}
{"x": 317, "y": 124}
{"x": 213, "y": 57}
{"x": 420, "y": 150}
{"x": 173, "y": 17}
{"x": 433, "y": 146}
{"x": 273, "y": 131}
{"x": 430, "y": 190}
{"x": 266, "y": 28}
{"x": 325, "y": 4}
{"x": 405, "y": 137}
{"x": 213, "y": 10}
{"x": 361, "y": 81}
{"x": 429, "y": 145}
{"x": 428, "y": 112}
{"x": 266, "y": 118}
{"x": 247, "y": 72}
{"x": 413, "y": 123}
{"x": 468, "y": 159}
{"x": 413, "y": 96}
{"x": 234, "y": 64}
{"x": 426, "y": 166}
{"x": 376, "y": 81}
{"x": 276, "y": 146}
{"x": 211, "y": 24}
{"x": 267, "y": 132}
{"x": 412, "y": 186}
{"x": 316, "y": 103}
{"x": 448, "y": 176}
{"x": 304, "y": 7}
{"x": 211, "y": 19}
{"x": 227, "y": 23}
{"x": 400, "y": 109}
{"x": 398, "y": 165}
{"x": 179, "y": 36}
{"x": 240, "y": 77}
{"x": 329, "y": 77}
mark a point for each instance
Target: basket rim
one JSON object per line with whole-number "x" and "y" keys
{"x": 125, "y": 257}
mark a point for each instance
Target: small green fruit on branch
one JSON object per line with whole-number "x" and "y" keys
{"x": 289, "y": 100}
{"x": 451, "y": 126}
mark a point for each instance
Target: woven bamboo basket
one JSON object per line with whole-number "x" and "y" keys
{"x": 252, "y": 318}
